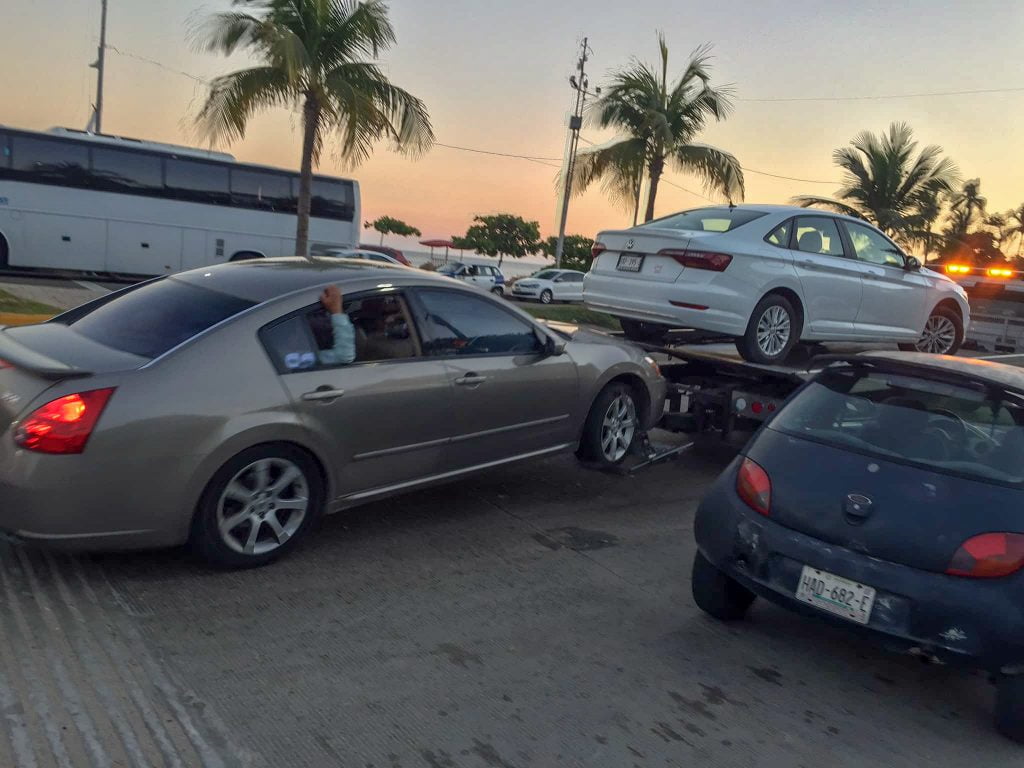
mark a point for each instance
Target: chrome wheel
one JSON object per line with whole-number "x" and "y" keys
{"x": 773, "y": 331}
{"x": 262, "y": 506}
{"x": 939, "y": 336}
{"x": 618, "y": 428}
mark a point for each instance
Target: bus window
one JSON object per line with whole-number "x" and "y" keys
{"x": 196, "y": 181}
{"x": 5, "y": 151}
{"x": 260, "y": 189}
{"x": 332, "y": 200}
{"x": 48, "y": 160}
{"x": 119, "y": 171}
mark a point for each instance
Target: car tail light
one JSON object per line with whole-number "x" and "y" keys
{"x": 597, "y": 249}
{"x": 988, "y": 556}
{"x": 754, "y": 487}
{"x": 714, "y": 262}
{"x": 63, "y": 425}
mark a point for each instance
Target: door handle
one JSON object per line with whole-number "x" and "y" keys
{"x": 323, "y": 393}
{"x": 470, "y": 380}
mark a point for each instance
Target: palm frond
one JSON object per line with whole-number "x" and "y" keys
{"x": 719, "y": 170}
{"x": 235, "y": 98}
{"x": 620, "y": 166}
{"x": 813, "y": 201}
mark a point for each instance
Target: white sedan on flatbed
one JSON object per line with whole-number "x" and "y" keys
{"x": 771, "y": 276}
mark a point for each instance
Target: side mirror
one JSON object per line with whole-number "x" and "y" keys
{"x": 553, "y": 348}
{"x": 912, "y": 264}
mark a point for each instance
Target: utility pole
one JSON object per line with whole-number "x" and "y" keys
{"x": 96, "y": 124}
{"x": 579, "y": 84}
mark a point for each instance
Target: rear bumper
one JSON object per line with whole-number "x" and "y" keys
{"x": 727, "y": 311}
{"x": 968, "y": 621}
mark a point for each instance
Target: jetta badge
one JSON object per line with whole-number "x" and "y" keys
{"x": 858, "y": 508}
{"x": 630, "y": 244}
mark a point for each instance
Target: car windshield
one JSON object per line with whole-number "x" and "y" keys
{"x": 157, "y": 316}
{"x": 962, "y": 430}
{"x": 547, "y": 274}
{"x": 706, "y": 220}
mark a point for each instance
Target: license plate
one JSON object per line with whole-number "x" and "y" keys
{"x": 836, "y": 595}
{"x": 630, "y": 262}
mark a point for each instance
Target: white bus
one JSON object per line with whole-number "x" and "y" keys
{"x": 71, "y": 200}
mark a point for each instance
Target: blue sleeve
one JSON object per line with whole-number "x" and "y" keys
{"x": 344, "y": 349}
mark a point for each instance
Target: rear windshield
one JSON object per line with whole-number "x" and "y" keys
{"x": 706, "y": 220}
{"x": 942, "y": 427}
{"x": 157, "y": 316}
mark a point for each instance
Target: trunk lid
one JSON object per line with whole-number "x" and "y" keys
{"x": 34, "y": 358}
{"x": 647, "y": 242}
{"x": 914, "y": 516}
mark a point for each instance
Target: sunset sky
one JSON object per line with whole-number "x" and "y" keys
{"x": 494, "y": 77}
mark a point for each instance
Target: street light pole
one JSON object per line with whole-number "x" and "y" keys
{"x": 579, "y": 84}
{"x": 97, "y": 114}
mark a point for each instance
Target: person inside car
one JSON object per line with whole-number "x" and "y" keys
{"x": 337, "y": 342}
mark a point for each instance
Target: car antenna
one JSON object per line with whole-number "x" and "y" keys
{"x": 732, "y": 206}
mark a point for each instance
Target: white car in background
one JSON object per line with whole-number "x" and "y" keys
{"x": 483, "y": 276}
{"x": 550, "y": 285}
{"x": 770, "y": 276}
{"x": 357, "y": 253}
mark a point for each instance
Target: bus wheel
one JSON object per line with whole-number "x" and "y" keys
{"x": 246, "y": 256}
{"x": 4, "y": 252}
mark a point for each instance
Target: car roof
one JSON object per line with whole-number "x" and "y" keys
{"x": 260, "y": 280}
{"x": 975, "y": 369}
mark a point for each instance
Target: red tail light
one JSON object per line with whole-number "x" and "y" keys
{"x": 715, "y": 262}
{"x": 597, "y": 249}
{"x": 988, "y": 556}
{"x": 5, "y": 364}
{"x": 754, "y": 487}
{"x": 63, "y": 425}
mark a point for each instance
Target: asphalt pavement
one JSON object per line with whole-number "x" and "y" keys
{"x": 539, "y": 615}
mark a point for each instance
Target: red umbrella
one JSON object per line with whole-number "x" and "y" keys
{"x": 432, "y": 244}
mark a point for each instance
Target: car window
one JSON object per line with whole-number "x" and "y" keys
{"x": 382, "y": 325}
{"x": 706, "y": 220}
{"x": 818, "y": 234}
{"x": 157, "y": 316}
{"x": 461, "y": 324}
{"x": 290, "y": 344}
{"x": 942, "y": 427}
{"x": 547, "y": 274}
{"x": 872, "y": 246}
{"x": 573, "y": 277}
{"x": 780, "y": 235}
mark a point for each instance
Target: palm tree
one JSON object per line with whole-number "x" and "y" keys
{"x": 658, "y": 121}
{"x": 887, "y": 185}
{"x": 968, "y": 199}
{"x": 314, "y": 57}
{"x": 1015, "y": 226}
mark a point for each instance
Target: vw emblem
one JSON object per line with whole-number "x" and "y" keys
{"x": 630, "y": 244}
{"x": 858, "y": 507}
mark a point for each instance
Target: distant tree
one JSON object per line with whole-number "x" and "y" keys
{"x": 500, "y": 235}
{"x": 885, "y": 184}
{"x": 575, "y": 251}
{"x": 658, "y": 120}
{"x": 319, "y": 56}
{"x": 1015, "y": 227}
{"x": 978, "y": 248}
{"x": 387, "y": 225}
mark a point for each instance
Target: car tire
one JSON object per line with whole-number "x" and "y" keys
{"x": 498, "y": 290}
{"x": 644, "y": 333}
{"x": 1010, "y": 707}
{"x": 612, "y": 426}
{"x": 716, "y": 594}
{"x": 243, "y": 489}
{"x": 773, "y": 331}
{"x": 943, "y": 334}
{"x": 546, "y": 297}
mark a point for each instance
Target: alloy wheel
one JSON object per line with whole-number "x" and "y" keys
{"x": 938, "y": 337}
{"x": 618, "y": 428}
{"x": 262, "y": 506}
{"x": 773, "y": 331}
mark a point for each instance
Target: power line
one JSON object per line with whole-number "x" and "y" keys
{"x": 791, "y": 178}
{"x": 884, "y": 96}
{"x": 497, "y": 154}
{"x": 690, "y": 191}
{"x": 155, "y": 63}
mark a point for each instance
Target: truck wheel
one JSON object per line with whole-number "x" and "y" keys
{"x": 1010, "y": 707}
{"x": 943, "y": 334}
{"x": 716, "y": 594}
{"x": 645, "y": 333}
{"x": 611, "y": 427}
{"x": 773, "y": 330}
{"x": 257, "y": 507}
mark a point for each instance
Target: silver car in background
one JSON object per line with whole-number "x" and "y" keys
{"x": 195, "y": 407}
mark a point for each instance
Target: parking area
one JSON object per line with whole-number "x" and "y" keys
{"x": 538, "y": 615}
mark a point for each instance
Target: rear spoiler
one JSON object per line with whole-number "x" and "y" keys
{"x": 26, "y": 359}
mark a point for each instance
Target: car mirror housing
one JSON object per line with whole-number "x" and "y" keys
{"x": 553, "y": 348}
{"x": 912, "y": 264}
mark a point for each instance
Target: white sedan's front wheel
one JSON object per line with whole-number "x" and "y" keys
{"x": 943, "y": 334}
